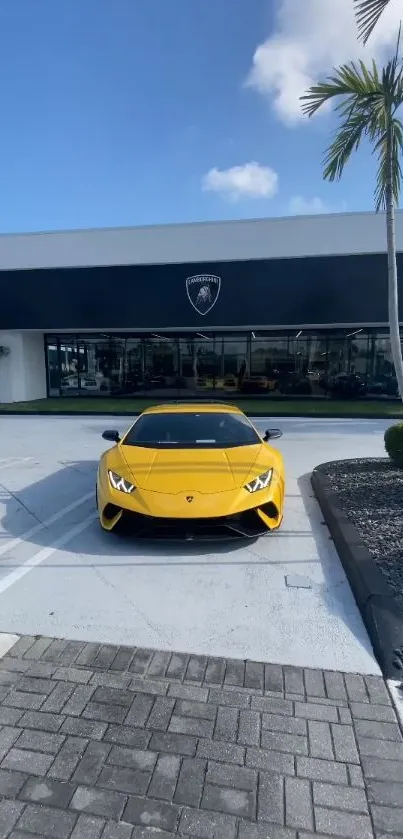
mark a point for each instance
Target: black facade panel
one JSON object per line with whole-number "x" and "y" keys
{"x": 309, "y": 290}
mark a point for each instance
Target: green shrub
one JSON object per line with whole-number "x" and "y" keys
{"x": 394, "y": 443}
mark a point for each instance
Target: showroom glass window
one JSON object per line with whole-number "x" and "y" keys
{"x": 236, "y": 354}
{"x": 68, "y": 355}
{"x": 160, "y": 364}
{"x": 269, "y": 355}
{"x": 101, "y": 365}
{"x": 133, "y": 369}
{"x": 53, "y": 365}
{"x": 207, "y": 364}
{"x": 358, "y": 353}
{"x": 382, "y": 380}
{"x": 337, "y": 353}
{"x": 201, "y": 363}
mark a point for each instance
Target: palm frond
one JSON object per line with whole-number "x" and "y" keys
{"x": 368, "y": 13}
{"x": 350, "y": 80}
{"x": 346, "y": 140}
{"x": 389, "y": 173}
{"x": 366, "y": 101}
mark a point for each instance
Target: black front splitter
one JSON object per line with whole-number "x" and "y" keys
{"x": 197, "y": 536}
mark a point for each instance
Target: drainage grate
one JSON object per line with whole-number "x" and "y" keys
{"x": 297, "y": 581}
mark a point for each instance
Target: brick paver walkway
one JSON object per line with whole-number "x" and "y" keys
{"x": 98, "y": 741}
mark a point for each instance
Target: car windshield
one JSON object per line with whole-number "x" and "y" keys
{"x": 187, "y": 430}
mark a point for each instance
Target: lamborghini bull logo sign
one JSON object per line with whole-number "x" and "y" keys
{"x": 202, "y": 291}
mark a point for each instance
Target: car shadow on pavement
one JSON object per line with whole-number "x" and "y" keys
{"x": 29, "y": 514}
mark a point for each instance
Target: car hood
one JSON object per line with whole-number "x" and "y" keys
{"x": 198, "y": 470}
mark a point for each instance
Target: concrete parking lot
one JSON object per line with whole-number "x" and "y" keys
{"x": 283, "y": 599}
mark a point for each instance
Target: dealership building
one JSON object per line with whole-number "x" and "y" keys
{"x": 197, "y": 310}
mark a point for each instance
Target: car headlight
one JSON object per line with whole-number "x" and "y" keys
{"x": 261, "y": 482}
{"x": 117, "y": 482}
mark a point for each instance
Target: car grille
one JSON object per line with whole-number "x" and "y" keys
{"x": 246, "y": 525}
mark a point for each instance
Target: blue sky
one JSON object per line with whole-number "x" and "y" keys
{"x": 124, "y": 112}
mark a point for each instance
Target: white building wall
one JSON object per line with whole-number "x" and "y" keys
{"x": 342, "y": 233}
{"x": 22, "y": 367}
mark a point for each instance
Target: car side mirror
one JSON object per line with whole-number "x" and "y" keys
{"x": 111, "y": 435}
{"x": 271, "y": 434}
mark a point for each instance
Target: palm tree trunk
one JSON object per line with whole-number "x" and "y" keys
{"x": 393, "y": 303}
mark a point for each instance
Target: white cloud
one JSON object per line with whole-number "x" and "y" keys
{"x": 300, "y": 206}
{"x": 309, "y": 39}
{"x": 251, "y": 180}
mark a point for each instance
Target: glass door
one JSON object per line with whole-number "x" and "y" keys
{"x": 68, "y": 354}
{"x": 161, "y": 365}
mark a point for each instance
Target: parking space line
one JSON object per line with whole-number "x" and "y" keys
{"x": 7, "y": 462}
{"x": 12, "y": 543}
{"x": 40, "y": 557}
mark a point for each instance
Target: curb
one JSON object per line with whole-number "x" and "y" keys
{"x": 7, "y": 642}
{"x": 396, "y": 693}
{"x": 381, "y": 616}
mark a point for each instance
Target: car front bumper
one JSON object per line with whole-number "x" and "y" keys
{"x": 207, "y": 515}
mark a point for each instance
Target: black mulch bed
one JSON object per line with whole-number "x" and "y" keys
{"x": 371, "y": 493}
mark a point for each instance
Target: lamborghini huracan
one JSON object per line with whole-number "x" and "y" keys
{"x": 191, "y": 471}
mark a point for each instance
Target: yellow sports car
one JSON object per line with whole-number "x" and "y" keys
{"x": 191, "y": 471}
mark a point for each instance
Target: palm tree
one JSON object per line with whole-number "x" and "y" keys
{"x": 368, "y": 13}
{"x": 369, "y": 101}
